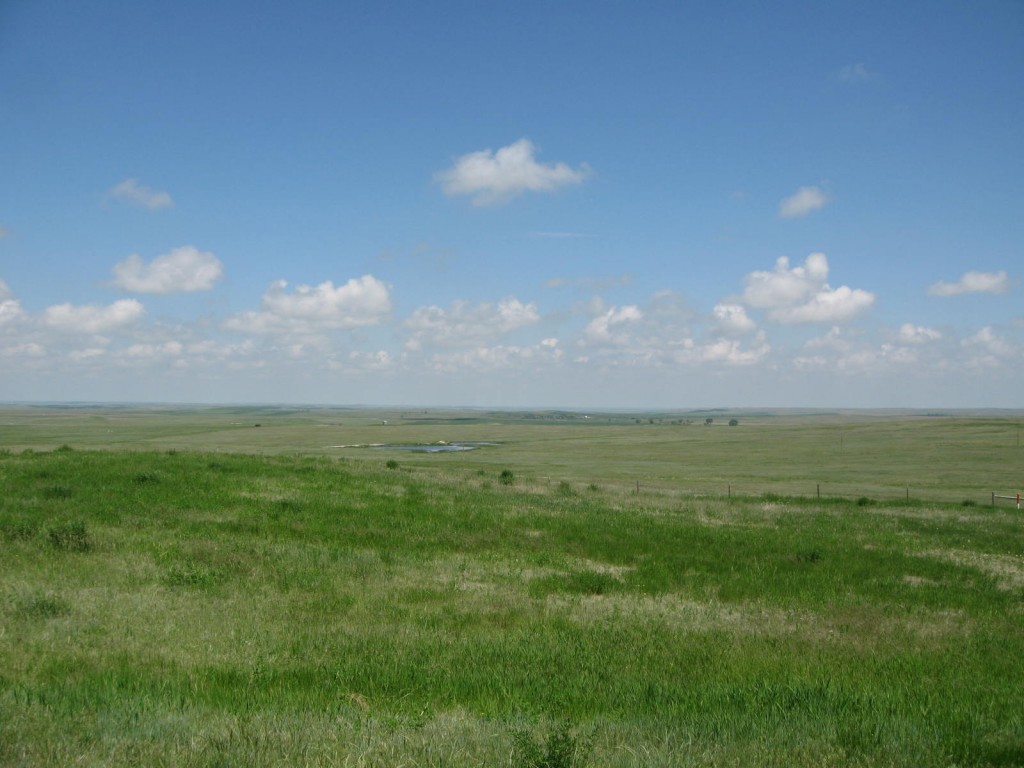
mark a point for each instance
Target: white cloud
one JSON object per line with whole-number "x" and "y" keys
{"x": 731, "y": 351}
{"x": 467, "y": 324}
{"x": 827, "y": 306}
{"x": 359, "y": 302}
{"x": 130, "y": 191}
{"x": 917, "y": 334}
{"x": 10, "y": 313}
{"x": 485, "y": 358}
{"x": 802, "y": 294}
{"x": 732, "y": 319}
{"x": 988, "y": 342}
{"x": 183, "y": 269}
{"x": 601, "y": 330}
{"x": 802, "y": 202}
{"x": 89, "y": 353}
{"x": 492, "y": 178}
{"x": 973, "y": 282}
{"x": 89, "y": 318}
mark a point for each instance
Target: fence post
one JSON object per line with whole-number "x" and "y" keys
{"x": 993, "y": 498}
{"x": 819, "y": 490}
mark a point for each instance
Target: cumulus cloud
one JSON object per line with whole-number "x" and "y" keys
{"x": 130, "y": 191}
{"x": 607, "y": 328}
{"x": 467, "y": 324}
{"x": 972, "y": 282}
{"x": 359, "y": 302}
{"x": 492, "y": 178}
{"x": 802, "y": 294}
{"x": 917, "y": 334}
{"x": 986, "y": 341}
{"x": 90, "y": 318}
{"x": 732, "y": 319}
{"x": 10, "y": 308}
{"x": 804, "y": 201}
{"x": 182, "y": 270}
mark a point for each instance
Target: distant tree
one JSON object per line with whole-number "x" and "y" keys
{"x": 709, "y": 420}
{"x": 734, "y": 422}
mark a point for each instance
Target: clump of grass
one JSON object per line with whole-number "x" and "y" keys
{"x": 864, "y": 501}
{"x": 507, "y": 477}
{"x": 810, "y": 556}
{"x": 144, "y": 478}
{"x": 69, "y": 537}
{"x": 565, "y": 489}
{"x": 58, "y": 492}
{"x": 40, "y": 606}
{"x": 64, "y": 449}
{"x": 19, "y": 530}
{"x": 560, "y": 749}
{"x": 392, "y": 464}
{"x": 967, "y": 503}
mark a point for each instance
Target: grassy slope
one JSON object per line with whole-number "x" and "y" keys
{"x": 186, "y": 608}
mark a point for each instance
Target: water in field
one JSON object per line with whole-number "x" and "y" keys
{"x": 435, "y": 448}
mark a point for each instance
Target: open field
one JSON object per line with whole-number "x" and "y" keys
{"x": 880, "y": 455}
{"x": 216, "y": 593}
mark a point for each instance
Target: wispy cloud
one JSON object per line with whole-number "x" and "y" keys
{"x": 972, "y": 282}
{"x": 596, "y": 284}
{"x": 496, "y": 177}
{"x": 130, "y": 191}
{"x": 182, "y": 270}
{"x": 855, "y": 73}
{"x": 804, "y": 201}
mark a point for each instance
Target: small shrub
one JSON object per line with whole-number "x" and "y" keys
{"x": 967, "y": 503}
{"x": 734, "y": 422}
{"x": 64, "y": 449}
{"x": 593, "y": 487}
{"x": 144, "y": 478}
{"x": 392, "y": 464}
{"x": 70, "y": 537}
{"x": 561, "y": 749}
{"x": 864, "y": 501}
{"x": 565, "y": 489}
{"x": 506, "y": 477}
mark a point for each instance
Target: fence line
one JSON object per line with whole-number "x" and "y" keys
{"x": 1011, "y": 498}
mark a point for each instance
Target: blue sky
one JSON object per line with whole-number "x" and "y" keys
{"x": 596, "y": 204}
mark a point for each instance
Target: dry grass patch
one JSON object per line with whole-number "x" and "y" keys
{"x": 1007, "y": 570}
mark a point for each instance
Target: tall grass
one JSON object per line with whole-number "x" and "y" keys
{"x": 200, "y": 609}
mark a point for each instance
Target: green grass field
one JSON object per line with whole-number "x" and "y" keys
{"x": 185, "y": 588}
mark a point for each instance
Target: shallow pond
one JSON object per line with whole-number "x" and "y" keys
{"x": 435, "y": 448}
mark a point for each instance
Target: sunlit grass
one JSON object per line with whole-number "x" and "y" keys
{"x": 180, "y": 608}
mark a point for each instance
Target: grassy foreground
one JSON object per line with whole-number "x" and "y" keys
{"x": 198, "y": 609}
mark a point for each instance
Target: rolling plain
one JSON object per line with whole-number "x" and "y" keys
{"x": 270, "y": 586}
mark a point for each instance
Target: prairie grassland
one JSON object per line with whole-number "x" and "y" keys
{"x": 180, "y": 607}
{"x": 878, "y": 455}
